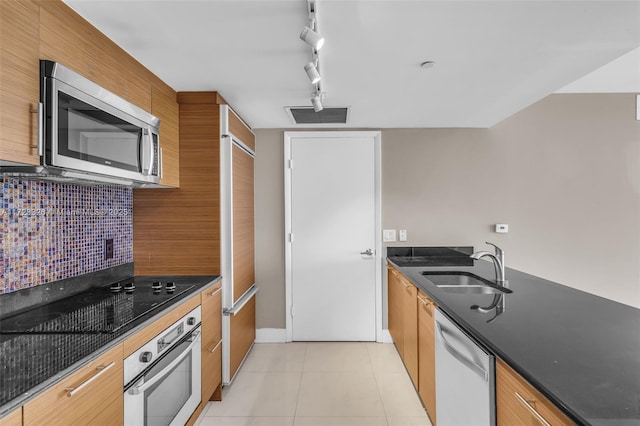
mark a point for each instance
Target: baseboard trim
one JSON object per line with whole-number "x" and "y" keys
{"x": 386, "y": 336}
{"x": 271, "y": 335}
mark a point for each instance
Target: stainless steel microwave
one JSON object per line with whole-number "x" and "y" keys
{"x": 87, "y": 134}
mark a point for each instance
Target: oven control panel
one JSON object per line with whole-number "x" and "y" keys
{"x": 153, "y": 350}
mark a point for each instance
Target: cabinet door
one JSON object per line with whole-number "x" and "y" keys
{"x": 394, "y": 308}
{"x": 410, "y": 329}
{"x": 243, "y": 334}
{"x": 211, "y": 342}
{"x": 518, "y": 403}
{"x": 164, "y": 105}
{"x": 19, "y": 81}
{"x": 426, "y": 355}
{"x": 91, "y": 395}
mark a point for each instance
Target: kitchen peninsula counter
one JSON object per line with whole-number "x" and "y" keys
{"x": 580, "y": 350}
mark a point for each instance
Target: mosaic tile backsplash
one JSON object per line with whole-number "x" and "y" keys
{"x": 52, "y": 231}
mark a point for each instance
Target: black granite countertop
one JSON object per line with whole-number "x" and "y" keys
{"x": 580, "y": 350}
{"x": 31, "y": 363}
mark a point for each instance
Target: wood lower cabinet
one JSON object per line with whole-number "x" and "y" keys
{"x": 212, "y": 343}
{"x": 14, "y": 418}
{"x": 518, "y": 403}
{"x": 395, "y": 320}
{"x": 427, "y": 354}
{"x": 90, "y": 396}
{"x": 403, "y": 320}
{"x": 243, "y": 334}
{"x": 410, "y": 328}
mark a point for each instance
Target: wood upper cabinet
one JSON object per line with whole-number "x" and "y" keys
{"x": 68, "y": 38}
{"x": 164, "y": 105}
{"x": 212, "y": 343}
{"x": 14, "y": 418}
{"x": 19, "y": 81}
{"x": 427, "y": 354}
{"x": 395, "y": 320}
{"x": 518, "y": 403}
{"x": 91, "y": 395}
{"x": 31, "y": 30}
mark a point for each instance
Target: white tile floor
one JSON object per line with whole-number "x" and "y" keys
{"x": 319, "y": 384}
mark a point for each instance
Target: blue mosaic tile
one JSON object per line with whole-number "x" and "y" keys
{"x": 51, "y": 231}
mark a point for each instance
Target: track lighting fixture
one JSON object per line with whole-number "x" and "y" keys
{"x": 312, "y": 38}
{"x": 316, "y": 101}
{"x": 312, "y": 72}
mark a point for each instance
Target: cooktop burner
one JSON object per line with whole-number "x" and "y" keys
{"x": 97, "y": 310}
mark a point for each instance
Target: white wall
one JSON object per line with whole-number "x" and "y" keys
{"x": 563, "y": 173}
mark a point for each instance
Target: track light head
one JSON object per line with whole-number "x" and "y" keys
{"x": 316, "y": 101}
{"x": 312, "y": 38}
{"x": 312, "y": 72}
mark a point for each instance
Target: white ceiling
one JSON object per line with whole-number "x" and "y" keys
{"x": 493, "y": 58}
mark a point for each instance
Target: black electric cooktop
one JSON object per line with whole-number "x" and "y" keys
{"x": 96, "y": 310}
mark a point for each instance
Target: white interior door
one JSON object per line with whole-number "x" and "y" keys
{"x": 332, "y": 221}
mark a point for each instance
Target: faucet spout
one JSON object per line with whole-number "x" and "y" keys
{"x": 498, "y": 261}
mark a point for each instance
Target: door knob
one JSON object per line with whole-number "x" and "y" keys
{"x": 367, "y": 252}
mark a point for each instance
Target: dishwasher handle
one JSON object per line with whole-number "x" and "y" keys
{"x": 460, "y": 357}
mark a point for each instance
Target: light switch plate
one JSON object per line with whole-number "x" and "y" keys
{"x": 389, "y": 235}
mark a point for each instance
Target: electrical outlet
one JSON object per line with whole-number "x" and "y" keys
{"x": 108, "y": 248}
{"x": 402, "y": 236}
{"x": 502, "y": 228}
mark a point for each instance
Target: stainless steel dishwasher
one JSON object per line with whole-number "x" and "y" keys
{"x": 465, "y": 378}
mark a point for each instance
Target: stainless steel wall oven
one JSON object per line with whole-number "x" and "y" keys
{"x": 163, "y": 377}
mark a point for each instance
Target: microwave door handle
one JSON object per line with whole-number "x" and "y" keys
{"x": 146, "y": 152}
{"x": 136, "y": 390}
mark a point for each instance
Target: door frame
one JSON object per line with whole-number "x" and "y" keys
{"x": 378, "y": 258}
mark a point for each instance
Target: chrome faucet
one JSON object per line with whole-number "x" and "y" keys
{"x": 498, "y": 261}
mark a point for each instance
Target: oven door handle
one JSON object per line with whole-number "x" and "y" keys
{"x": 136, "y": 390}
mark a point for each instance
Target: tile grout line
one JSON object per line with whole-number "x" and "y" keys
{"x": 375, "y": 378}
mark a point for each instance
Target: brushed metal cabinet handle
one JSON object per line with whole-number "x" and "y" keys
{"x": 532, "y": 410}
{"x": 212, "y": 350}
{"x": 213, "y": 293}
{"x": 101, "y": 370}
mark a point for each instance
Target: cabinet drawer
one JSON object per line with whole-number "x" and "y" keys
{"x": 519, "y": 403}
{"x": 211, "y": 315}
{"x": 91, "y": 395}
{"x": 211, "y": 369}
{"x": 14, "y": 418}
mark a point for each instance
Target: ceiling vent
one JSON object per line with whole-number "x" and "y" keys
{"x": 307, "y": 116}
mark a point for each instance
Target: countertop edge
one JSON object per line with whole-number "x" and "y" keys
{"x": 42, "y": 387}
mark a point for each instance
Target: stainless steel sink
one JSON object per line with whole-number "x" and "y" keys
{"x": 463, "y": 283}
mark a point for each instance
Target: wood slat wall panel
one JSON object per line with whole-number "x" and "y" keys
{"x": 177, "y": 231}
{"x": 243, "y": 222}
{"x": 19, "y": 80}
